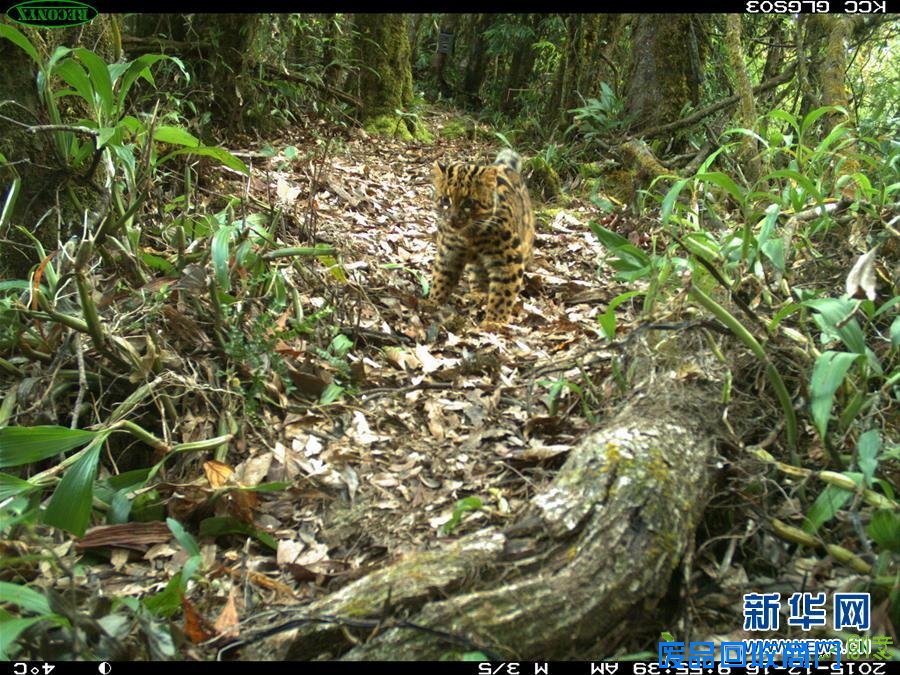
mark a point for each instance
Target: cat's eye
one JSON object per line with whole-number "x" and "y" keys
{"x": 467, "y": 203}
{"x": 443, "y": 202}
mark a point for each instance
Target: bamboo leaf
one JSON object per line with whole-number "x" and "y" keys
{"x": 70, "y": 506}
{"x": 828, "y": 374}
{"x": 24, "y": 445}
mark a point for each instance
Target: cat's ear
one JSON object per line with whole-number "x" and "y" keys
{"x": 438, "y": 171}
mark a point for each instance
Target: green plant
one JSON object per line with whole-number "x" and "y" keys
{"x": 462, "y": 506}
{"x": 600, "y": 117}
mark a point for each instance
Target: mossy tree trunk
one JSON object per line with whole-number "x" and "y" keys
{"x": 661, "y": 79}
{"x": 384, "y": 81}
{"x": 747, "y": 107}
{"x": 581, "y": 571}
{"x": 826, "y": 41}
{"x": 775, "y": 35}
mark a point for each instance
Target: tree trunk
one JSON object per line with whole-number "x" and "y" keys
{"x": 747, "y": 107}
{"x": 775, "y": 51}
{"x": 476, "y": 63}
{"x": 520, "y": 69}
{"x": 661, "y": 79}
{"x": 565, "y": 93}
{"x": 443, "y": 52}
{"x": 826, "y": 41}
{"x": 609, "y": 532}
{"x": 385, "y": 81}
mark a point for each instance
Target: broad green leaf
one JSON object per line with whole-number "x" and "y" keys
{"x": 158, "y": 263}
{"x": 175, "y": 136}
{"x": 102, "y": 84}
{"x": 884, "y": 528}
{"x": 136, "y": 68}
{"x": 119, "y": 508}
{"x": 70, "y": 506}
{"x": 774, "y": 251}
{"x": 867, "y": 448}
{"x": 76, "y": 77}
{"x": 220, "y": 253}
{"x": 669, "y": 200}
{"x": 475, "y": 656}
{"x": 25, "y": 598}
{"x": 768, "y": 224}
{"x": 725, "y": 182}
{"x": 58, "y": 55}
{"x": 11, "y": 486}
{"x": 786, "y": 117}
{"x": 798, "y": 178}
{"x": 832, "y": 319}
{"x": 106, "y": 133}
{"x": 168, "y": 601}
{"x": 14, "y": 285}
{"x": 188, "y": 543}
{"x": 837, "y": 133}
{"x": 611, "y": 240}
{"x": 24, "y": 445}
{"x": 11, "y": 628}
{"x": 708, "y": 162}
{"x": 607, "y": 320}
{"x": 886, "y": 306}
{"x": 895, "y": 332}
{"x": 22, "y": 42}
{"x": 116, "y": 70}
{"x": 746, "y": 132}
{"x": 828, "y": 374}
{"x": 331, "y": 393}
{"x": 827, "y": 504}
{"x": 702, "y": 245}
{"x": 340, "y": 345}
{"x": 220, "y": 154}
{"x": 814, "y": 115}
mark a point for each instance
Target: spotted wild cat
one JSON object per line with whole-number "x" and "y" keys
{"x": 484, "y": 221}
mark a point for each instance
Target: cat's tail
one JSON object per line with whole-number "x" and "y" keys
{"x": 509, "y": 158}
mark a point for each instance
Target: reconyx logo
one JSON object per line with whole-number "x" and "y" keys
{"x": 51, "y": 13}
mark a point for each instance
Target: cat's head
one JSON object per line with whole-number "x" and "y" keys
{"x": 464, "y": 192}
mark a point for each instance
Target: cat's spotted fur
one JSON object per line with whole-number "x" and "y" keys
{"x": 484, "y": 221}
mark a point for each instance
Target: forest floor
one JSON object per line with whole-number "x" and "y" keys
{"x": 431, "y": 414}
{"x": 437, "y": 415}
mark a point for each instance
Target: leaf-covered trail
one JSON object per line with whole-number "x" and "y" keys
{"x": 435, "y": 417}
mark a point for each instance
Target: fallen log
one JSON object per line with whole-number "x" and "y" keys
{"x": 583, "y": 567}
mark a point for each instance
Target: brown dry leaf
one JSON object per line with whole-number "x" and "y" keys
{"x": 402, "y": 359}
{"x": 217, "y": 473}
{"x": 228, "y": 623}
{"x": 127, "y": 535}
{"x": 436, "y": 419}
{"x": 254, "y": 470}
{"x": 196, "y": 627}
{"x": 118, "y": 558}
{"x": 240, "y": 504}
